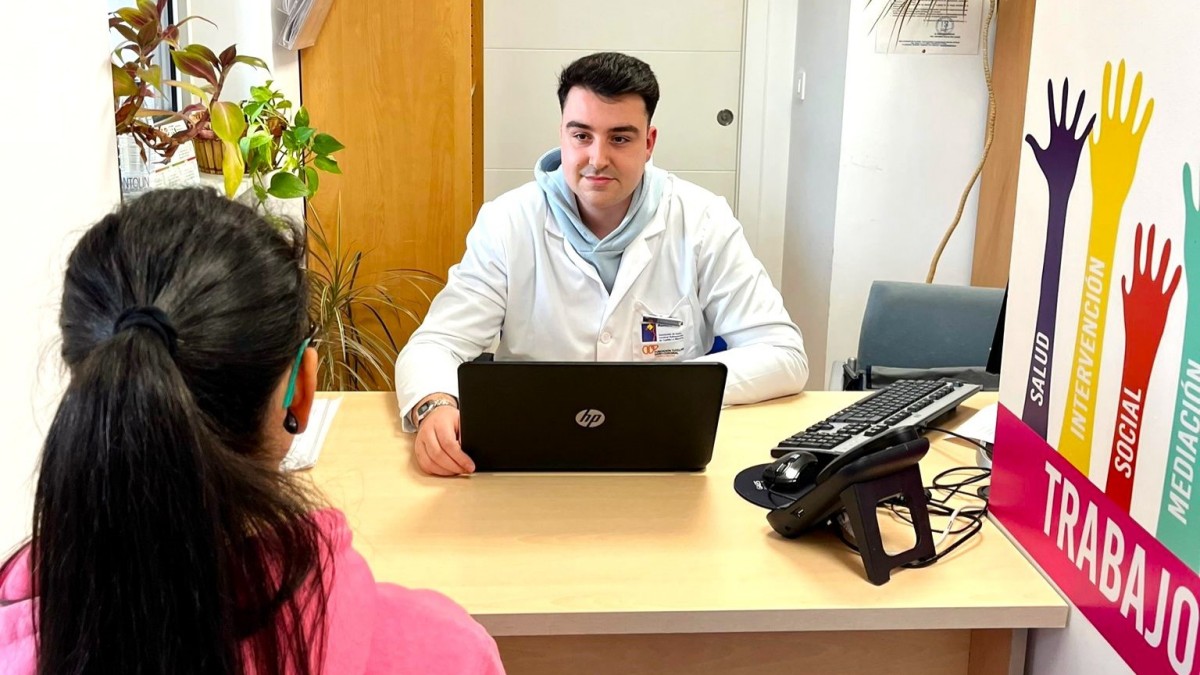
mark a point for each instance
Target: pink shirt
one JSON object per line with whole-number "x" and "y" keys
{"x": 373, "y": 628}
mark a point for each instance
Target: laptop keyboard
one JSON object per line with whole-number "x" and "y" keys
{"x": 903, "y": 403}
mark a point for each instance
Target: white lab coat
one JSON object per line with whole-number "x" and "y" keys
{"x": 521, "y": 280}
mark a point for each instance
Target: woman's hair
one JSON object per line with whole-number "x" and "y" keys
{"x": 165, "y": 540}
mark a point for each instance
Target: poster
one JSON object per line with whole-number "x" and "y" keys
{"x": 1099, "y": 421}
{"x": 929, "y": 27}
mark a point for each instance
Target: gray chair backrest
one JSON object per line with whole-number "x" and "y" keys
{"x": 908, "y": 325}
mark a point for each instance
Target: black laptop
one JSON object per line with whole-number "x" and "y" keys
{"x": 539, "y": 416}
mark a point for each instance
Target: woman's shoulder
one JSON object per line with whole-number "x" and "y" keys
{"x": 433, "y": 632}
{"x": 410, "y": 630}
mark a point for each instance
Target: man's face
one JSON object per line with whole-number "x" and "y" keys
{"x": 605, "y": 146}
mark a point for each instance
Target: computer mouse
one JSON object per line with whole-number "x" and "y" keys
{"x": 794, "y": 468}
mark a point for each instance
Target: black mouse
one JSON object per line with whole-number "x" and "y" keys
{"x": 794, "y": 468}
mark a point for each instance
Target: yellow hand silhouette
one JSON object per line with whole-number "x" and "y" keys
{"x": 1115, "y": 145}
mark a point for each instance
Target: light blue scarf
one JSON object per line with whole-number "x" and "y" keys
{"x": 603, "y": 254}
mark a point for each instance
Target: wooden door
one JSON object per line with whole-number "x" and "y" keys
{"x": 400, "y": 83}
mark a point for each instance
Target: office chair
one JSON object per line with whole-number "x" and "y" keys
{"x": 925, "y": 331}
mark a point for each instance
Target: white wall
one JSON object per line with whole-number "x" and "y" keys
{"x": 698, "y": 65}
{"x": 71, "y": 191}
{"x": 815, "y": 152}
{"x": 911, "y": 134}
{"x": 253, "y": 25}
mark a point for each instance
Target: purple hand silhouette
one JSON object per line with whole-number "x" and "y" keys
{"x": 1060, "y": 162}
{"x": 1060, "y": 158}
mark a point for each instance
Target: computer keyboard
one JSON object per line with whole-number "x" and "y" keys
{"x": 900, "y": 404}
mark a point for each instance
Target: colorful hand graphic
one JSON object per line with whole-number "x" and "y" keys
{"x": 1059, "y": 161}
{"x": 1116, "y": 145}
{"x": 1191, "y": 237}
{"x": 1146, "y": 304}
{"x": 1179, "y": 511}
{"x": 1114, "y": 154}
{"x": 1060, "y": 158}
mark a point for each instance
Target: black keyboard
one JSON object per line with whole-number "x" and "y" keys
{"x": 901, "y": 404}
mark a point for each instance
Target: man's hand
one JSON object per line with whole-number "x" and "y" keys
{"x": 437, "y": 448}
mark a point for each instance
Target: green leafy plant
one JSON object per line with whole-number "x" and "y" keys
{"x": 282, "y": 148}
{"x": 355, "y": 317}
{"x": 136, "y": 78}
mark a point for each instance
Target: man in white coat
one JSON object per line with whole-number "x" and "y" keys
{"x": 604, "y": 257}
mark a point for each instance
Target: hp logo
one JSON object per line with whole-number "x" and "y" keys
{"x": 589, "y": 418}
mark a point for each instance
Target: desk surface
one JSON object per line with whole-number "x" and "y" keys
{"x": 561, "y": 554}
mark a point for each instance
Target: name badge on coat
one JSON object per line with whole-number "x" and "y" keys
{"x": 662, "y": 337}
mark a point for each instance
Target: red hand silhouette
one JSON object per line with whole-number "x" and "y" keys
{"x": 1146, "y": 304}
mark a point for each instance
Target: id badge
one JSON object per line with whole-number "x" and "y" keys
{"x": 662, "y": 337}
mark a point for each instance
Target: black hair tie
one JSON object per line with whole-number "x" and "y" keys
{"x": 148, "y": 317}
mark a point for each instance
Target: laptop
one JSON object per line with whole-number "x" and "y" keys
{"x": 540, "y": 416}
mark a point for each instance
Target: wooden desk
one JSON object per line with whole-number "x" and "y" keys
{"x": 674, "y": 573}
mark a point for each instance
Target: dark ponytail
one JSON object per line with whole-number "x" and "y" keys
{"x": 164, "y": 541}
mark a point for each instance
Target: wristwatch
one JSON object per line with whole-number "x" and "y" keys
{"x": 428, "y": 406}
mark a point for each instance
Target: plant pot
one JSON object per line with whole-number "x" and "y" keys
{"x": 209, "y": 154}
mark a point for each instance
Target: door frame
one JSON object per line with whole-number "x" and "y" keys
{"x": 768, "y": 96}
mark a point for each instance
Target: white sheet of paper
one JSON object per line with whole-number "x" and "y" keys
{"x": 930, "y": 27}
{"x": 981, "y": 426}
{"x": 306, "y": 447}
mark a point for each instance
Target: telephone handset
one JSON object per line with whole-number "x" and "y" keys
{"x": 884, "y": 455}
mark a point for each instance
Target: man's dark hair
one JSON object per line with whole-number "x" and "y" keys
{"x": 610, "y": 74}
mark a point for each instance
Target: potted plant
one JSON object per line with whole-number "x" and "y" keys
{"x": 356, "y": 316}
{"x": 136, "y": 77}
{"x": 283, "y": 151}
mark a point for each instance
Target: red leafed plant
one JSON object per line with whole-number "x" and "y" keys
{"x": 136, "y": 78}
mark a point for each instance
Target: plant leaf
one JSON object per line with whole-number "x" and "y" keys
{"x": 252, "y": 61}
{"x": 205, "y": 53}
{"x": 260, "y": 94}
{"x": 287, "y": 186}
{"x": 327, "y": 164}
{"x": 303, "y": 135}
{"x": 123, "y": 84}
{"x": 228, "y": 124}
{"x": 194, "y": 65}
{"x": 126, "y": 32}
{"x": 148, "y": 9}
{"x": 260, "y": 139}
{"x": 312, "y": 180}
{"x": 226, "y": 58}
{"x": 301, "y": 119}
{"x": 324, "y": 144}
{"x": 232, "y": 167}
{"x": 132, "y": 17}
{"x": 147, "y": 36}
{"x": 289, "y": 140}
{"x": 188, "y": 86}
{"x": 187, "y": 19}
{"x": 153, "y": 75}
{"x": 253, "y": 110}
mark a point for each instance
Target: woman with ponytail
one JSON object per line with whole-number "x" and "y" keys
{"x": 166, "y": 539}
